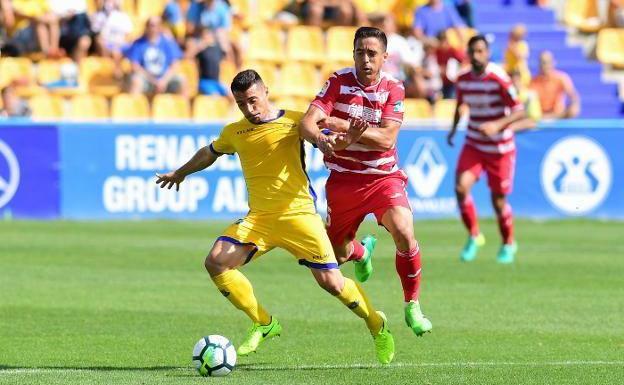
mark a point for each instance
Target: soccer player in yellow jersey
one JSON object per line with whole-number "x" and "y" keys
{"x": 282, "y": 213}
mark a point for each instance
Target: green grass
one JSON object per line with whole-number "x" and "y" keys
{"x": 124, "y": 303}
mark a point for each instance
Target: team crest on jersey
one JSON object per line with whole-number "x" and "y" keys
{"x": 324, "y": 89}
{"x": 399, "y": 107}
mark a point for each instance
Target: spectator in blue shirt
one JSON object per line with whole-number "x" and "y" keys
{"x": 154, "y": 58}
{"x": 435, "y": 17}
{"x": 464, "y": 9}
{"x": 207, "y": 25}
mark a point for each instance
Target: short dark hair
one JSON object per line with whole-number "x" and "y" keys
{"x": 245, "y": 79}
{"x": 477, "y": 38}
{"x": 364, "y": 32}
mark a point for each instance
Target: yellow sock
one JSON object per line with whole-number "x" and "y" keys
{"x": 236, "y": 287}
{"x": 354, "y": 297}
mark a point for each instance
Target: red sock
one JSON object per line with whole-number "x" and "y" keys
{"x": 408, "y": 268}
{"x": 468, "y": 212}
{"x": 357, "y": 251}
{"x": 505, "y": 225}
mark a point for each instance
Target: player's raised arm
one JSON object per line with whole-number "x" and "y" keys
{"x": 202, "y": 159}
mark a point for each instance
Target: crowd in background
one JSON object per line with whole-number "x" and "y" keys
{"x": 426, "y": 44}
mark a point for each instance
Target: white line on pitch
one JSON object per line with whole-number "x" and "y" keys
{"x": 338, "y": 366}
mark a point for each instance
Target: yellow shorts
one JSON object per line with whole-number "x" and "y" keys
{"x": 301, "y": 234}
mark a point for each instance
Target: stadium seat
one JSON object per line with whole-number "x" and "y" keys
{"x": 329, "y": 68}
{"x": 610, "y": 47}
{"x": 147, "y": 8}
{"x": 15, "y": 69}
{"x": 444, "y": 109}
{"x": 340, "y": 44}
{"x": 130, "y": 107}
{"x": 188, "y": 69}
{"x": 170, "y": 107}
{"x": 293, "y": 104}
{"x": 299, "y": 79}
{"x": 417, "y": 109}
{"x": 268, "y": 73}
{"x": 210, "y": 108}
{"x": 265, "y": 43}
{"x": 46, "y": 107}
{"x": 97, "y": 76}
{"x": 305, "y": 43}
{"x": 455, "y": 40}
{"x": 227, "y": 72}
{"x": 267, "y": 9}
{"x": 582, "y": 15}
{"x": 89, "y": 107}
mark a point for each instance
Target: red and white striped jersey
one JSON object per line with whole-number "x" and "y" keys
{"x": 344, "y": 97}
{"x": 490, "y": 96}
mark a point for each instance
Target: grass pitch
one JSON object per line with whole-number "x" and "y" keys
{"x": 124, "y": 303}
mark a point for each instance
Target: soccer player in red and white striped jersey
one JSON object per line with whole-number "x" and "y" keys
{"x": 490, "y": 147}
{"x": 364, "y": 176}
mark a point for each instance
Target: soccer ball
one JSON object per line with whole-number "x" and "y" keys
{"x": 214, "y": 356}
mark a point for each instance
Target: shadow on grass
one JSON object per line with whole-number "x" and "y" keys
{"x": 94, "y": 368}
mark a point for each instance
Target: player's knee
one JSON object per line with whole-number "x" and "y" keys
{"x": 460, "y": 190}
{"x": 330, "y": 283}
{"x": 213, "y": 263}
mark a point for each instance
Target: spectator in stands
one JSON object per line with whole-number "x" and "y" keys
{"x": 450, "y": 60}
{"x": 75, "y": 26}
{"x": 403, "y": 62}
{"x": 436, "y": 17}
{"x": 154, "y": 58}
{"x": 208, "y": 24}
{"x": 615, "y": 14}
{"x": 557, "y": 95}
{"x": 517, "y": 53}
{"x": 336, "y": 12}
{"x": 530, "y": 99}
{"x": 431, "y": 72}
{"x": 12, "y": 105}
{"x": 464, "y": 9}
{"x": 31, "y": 27}
{"x": 111, "y": 27}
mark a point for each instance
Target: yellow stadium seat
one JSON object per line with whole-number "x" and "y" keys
{"x": 454, "y": 38}
{"x": 610, "y": 47}
{"x": 583, "y": 15}
{"x": 340, "y": 44}
{"x": 15, "y": 69}
{"x": 130, "y": 107}
{"x": 417, "y": 109}
{"x": 97, "y": 76}
{"x": 305, "y": 43}
{"x": 148, "y": 8}
{"x": 49, "y": 70}
{"x": 329, "y": 68}
{"x": 89, "y": 107}
{"x": 46, "y": 107}
{"x": 267, "y": 72}
{"x": 265, "y": 43}
{"x": 170, "y": 107}
{"x": 188, "y": 69}
{"x": 227, "y": 72}
{"x": 293, "y": 104}
{"x": 444, "y": 109}
{"x": 298, "y": 79}
{"x": 209, "y": 108}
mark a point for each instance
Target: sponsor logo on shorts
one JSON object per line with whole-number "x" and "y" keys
{"x": 10, "y": 174}
{"x": 576, "y": 175}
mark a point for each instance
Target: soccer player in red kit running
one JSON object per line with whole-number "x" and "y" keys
{"x": 365, "y": 176}
{"x": 490, "y": 147}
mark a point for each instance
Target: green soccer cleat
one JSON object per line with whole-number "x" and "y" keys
{"x": 364, "y": 267}
{"x": 469, "y": 252}
{"x": 384, "y": 342}
{"x": 257, "y": 334}
{"x": 416, "y": 320}
{"x": 507, "y": 253}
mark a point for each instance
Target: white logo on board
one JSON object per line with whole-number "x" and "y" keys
{"x": 9, "y": 179}
{"x": 425, "y": 167}
{"x": 576, "y": 175}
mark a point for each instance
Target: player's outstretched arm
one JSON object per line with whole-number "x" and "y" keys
{"x": 383, "y": 137}
{"x": 201, "y": 160}
{"x": 310, "y": 130}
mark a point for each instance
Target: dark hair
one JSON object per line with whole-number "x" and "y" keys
{"x": 477, "y": 38}
{"x": 364, "y": 32}
{"x": 245, "y": 79}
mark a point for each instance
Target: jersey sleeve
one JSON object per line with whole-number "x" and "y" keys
{"x": 394, "y": 108}
{"x": 223, "y": 144}
{"x": 327, "y": 96}
{"x": 510, "y": 95}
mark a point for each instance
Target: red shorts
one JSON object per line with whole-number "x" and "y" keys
{"x": 498, "y": 167}
{"x": 350, "y": 197}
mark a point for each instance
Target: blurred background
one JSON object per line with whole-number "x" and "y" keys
{"x": 98, "y": 95}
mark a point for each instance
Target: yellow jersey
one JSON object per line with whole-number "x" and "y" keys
{"x": 273, "y": 161}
